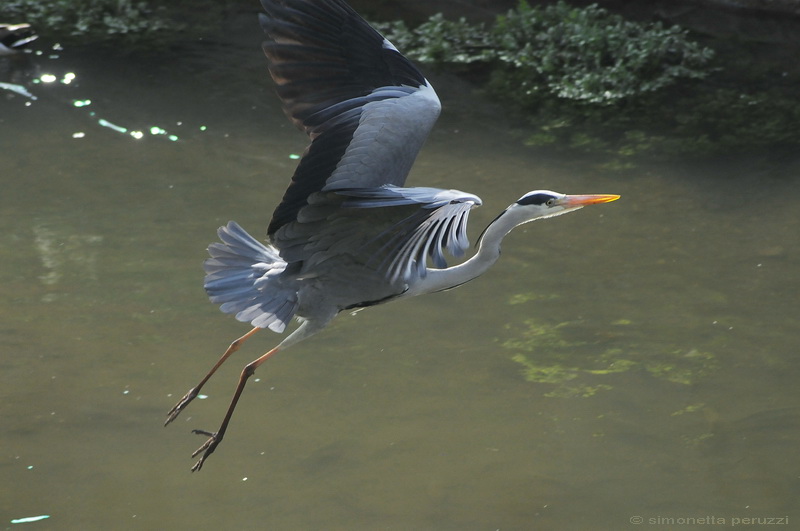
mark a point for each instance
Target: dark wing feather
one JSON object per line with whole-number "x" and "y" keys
{"x": 323, "y": 52}
{"x": 340, "y": 81}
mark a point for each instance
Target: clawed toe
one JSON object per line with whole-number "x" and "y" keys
{"x": 182, "y": 403}
{"x": 207, "y": 448}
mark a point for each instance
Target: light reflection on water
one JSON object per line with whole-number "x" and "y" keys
{"x": 413, "y": 415}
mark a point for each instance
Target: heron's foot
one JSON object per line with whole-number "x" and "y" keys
{"x": 208, "y": 447}
{"x": 182, "y": 403}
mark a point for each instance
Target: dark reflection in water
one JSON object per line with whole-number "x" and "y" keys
{"x": 634, "y": 360}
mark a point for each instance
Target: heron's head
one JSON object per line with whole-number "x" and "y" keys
{"x": 545, "y": 203}
{"x": 540, "y": 204}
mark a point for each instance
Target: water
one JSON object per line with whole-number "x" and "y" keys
{"x": 632, "y": 360}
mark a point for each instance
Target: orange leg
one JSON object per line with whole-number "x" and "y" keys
{"x": 214, "y": 438}
{"x": 307, "y": 328}
{"x": 192, "y": 394}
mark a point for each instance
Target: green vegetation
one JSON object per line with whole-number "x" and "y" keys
{"x": 81, "y": 18}
{"x": 578, "y": 54}
{"x": 558, "y": 355}
{"x": 589, "y": 55}
{"x": 438, "y": 40}
{"x": 589, "y": 80}
{"x": 583, "y": 79}
{"x": 139, "y": 22}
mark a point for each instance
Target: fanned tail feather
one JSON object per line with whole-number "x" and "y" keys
{"x": 243, "y": 277}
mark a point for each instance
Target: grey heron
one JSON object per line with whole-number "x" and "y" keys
{"x": 347, "y": 233}
{"x": 14, "y": 37}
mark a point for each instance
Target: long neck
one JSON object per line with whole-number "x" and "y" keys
{"x": 487, "y": 254}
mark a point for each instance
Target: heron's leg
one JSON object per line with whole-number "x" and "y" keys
{"x": 306, "y": 329}
{"x": 216, "y": 437}
{"x": 192, "y": 394}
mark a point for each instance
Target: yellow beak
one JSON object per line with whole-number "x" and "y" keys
{"x": 572, "y": 201}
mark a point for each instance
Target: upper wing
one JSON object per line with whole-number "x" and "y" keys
{"x": 366, "y": 107}
{"x": 388, "y": 229}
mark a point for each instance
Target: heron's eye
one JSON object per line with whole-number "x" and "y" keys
{"x": 541, "y": 199}
{"x": 550, "y": 202}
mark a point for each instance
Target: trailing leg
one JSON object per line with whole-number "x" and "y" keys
{"x": 192, "y": 394}
{"x": 306, "y": 329}
{"x": 214, "y": 438}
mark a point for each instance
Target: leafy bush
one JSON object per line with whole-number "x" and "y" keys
{"x": 588, "y": 54}
{"x": 94, "y": 19}
{"x": 439, "y": 40}
{"x": 581, "y": 54}
{"x": 591, "y": 81}
{"x": 130, "y": 23}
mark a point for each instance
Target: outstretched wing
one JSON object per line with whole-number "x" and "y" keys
{"x": 367, "y": 109}
{"x": 392, "y": 230}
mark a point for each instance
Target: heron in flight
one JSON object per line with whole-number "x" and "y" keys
{"x": 348, "y": 234}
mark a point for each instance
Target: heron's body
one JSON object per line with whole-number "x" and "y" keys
{"x": 348, "y": 233}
